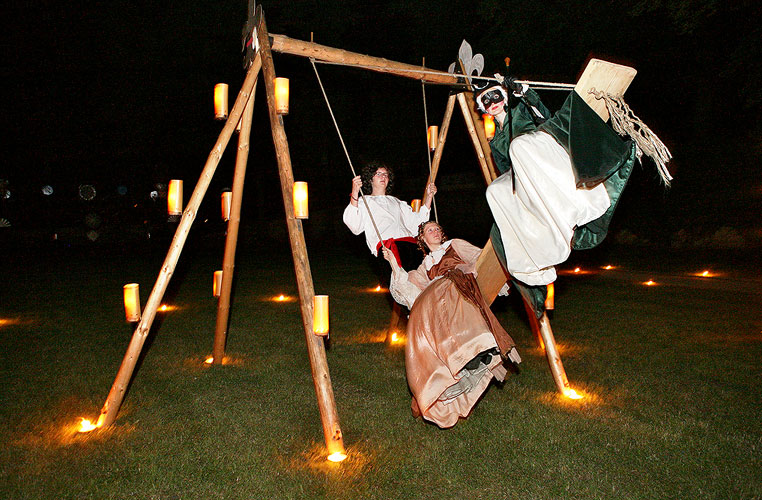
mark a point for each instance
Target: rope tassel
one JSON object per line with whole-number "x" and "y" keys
{"x": 625, "y": 122}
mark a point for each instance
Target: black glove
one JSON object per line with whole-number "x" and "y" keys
{"x": 510, "y": 83}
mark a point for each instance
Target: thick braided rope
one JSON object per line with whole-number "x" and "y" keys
{"x": 625, "y": 122}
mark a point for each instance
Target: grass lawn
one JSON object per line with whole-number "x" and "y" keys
{"x": 671, "y": 377}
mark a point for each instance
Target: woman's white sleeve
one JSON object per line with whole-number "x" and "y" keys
{"x": 402, "y": 290}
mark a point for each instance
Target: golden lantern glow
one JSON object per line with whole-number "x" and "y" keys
{"x": 281, "y": 96}
{"x": 86, "y": 426}
{"x": 550, "y": 298}
{"x": 132, "y": 302}
{"x": 301, "y": 198}
{"x": 432, "y": 137}
{"x": 415, "y": 204}
{"x": 608, "y": 267}
{"x": 221, "y": 101}
{"x": 649, "y": 283}
{"x": 175, "y": 197}
{"x": 337, "y": 456}
{"x": 280, "y": 298}
{"x": 217, "y": 284}
{"x": 572, "y": 394}
{"x": 209, "y": 360}
{"x": 320, "y": 315}
{"x": 227, "y": 199}
{"x": 489, "y": 126}
{"x": 378, "y": 288}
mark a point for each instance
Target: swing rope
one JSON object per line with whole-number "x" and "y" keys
{"x": 341, "y": 139}
{"x": 428, "y": 148}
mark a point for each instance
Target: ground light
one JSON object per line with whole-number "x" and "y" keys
{"x": 572, "y": 394}
{"x": 86, "y": 426}
{"x": 608, "y": 267}
{"x": 337, "y": 457}
{"x": 649, "y": 283}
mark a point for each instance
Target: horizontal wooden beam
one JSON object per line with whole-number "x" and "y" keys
{"x": 286, "y": 45}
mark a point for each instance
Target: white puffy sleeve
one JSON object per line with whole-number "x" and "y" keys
{"x": 403, "y": 291}
{"x": 353, "y": 219}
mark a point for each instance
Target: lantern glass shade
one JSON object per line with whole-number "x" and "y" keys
{"x": 227, "y": 198}
{"x": 221, "y": 101}
{"x": 550, "y": 298}
{"x": 415, "y": 205}
{"x": 281, "y": 96}
{"x": 320, "y": 315}
{"x": 217, "y": 284}
{"x": 301, "y": 198}
{"x": 175, "y": 197}
{"x": 433, "y": 137}
{"x": 489, "y": 126}
{"x": 132, "y": 302}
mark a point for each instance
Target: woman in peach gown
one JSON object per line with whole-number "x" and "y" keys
{"x": 455, "y": 345}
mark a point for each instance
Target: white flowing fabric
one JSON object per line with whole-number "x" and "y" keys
{"x": 393, "y": 217}
{"x": 537, "y": 222}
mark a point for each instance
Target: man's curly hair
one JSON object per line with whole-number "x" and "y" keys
{"x": 367, "y": 173}
{"x": 421, "y": 244}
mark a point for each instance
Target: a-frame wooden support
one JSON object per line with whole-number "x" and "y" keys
{"x": 491, "y": 274}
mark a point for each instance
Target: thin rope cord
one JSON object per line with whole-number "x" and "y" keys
{"x": 428, "y": 148}
{"x": 341, "y": 139}
{"x": 542, "y": 85}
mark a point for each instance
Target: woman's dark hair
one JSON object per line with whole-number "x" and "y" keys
{"x": 421, "y": 244}
{"x": 367, "y": 173}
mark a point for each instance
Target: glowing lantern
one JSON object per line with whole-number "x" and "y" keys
{"x": 489, "y": 126}
{"x": 281, "y": 96}
{"x": 175, "y": 197}
{"x": 649, "y": 283}
{"x": 227, "y": 198}
{"x": 415, "y": 205}
{"x": 209, "y": 360}
{"x": 550, "y": 302}
{"x": 86, "y": 426}
{"x": 301, "y": 209}
{"x": 337, "y": 456}
{"x": 572, "y": 394}
{"x": 432, "y": 136}
{"x": 132, "y": 302}
{"x": 221, "y": 101}
{"x": 217, "y": 285}
{"x": 320, "y": 315}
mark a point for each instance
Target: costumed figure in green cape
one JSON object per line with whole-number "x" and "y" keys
{"x": 561, "y": 177}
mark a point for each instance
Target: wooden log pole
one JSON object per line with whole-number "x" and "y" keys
{"x": 286, "y": 45}
{"x": 123, "y": 376}
{"x": 441, "y": 140}
{"x": 554, "y": 359}
{"x": 488, "y": 171}
{"x": 315, "y": 347}
{"x": 231, "y": 239}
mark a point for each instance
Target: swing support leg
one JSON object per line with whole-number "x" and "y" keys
{"x": 231, "y": 239}
{"x": 126, "y": 369}
{"x": 315, "y": 347}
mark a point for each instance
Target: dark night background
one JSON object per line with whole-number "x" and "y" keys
{"x": 119, "y": 93}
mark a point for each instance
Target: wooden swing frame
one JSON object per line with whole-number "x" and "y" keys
{"x": 491, "y": 276}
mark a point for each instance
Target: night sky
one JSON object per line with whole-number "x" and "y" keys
{"x": 120, "y": 94}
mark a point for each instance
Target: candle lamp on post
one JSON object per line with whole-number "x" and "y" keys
{"x": 281, "y": 95}
{"x": 489, "y": 126}
{"x": 221, "y": 101}
{"x": 320, "y": 315}
{"x": 227, "y": 198}
{"x": 433, "y": 137}
{"x": 301, "y": 199}
{"x": 132, "y": 302}
{"x": 175, "y": 197}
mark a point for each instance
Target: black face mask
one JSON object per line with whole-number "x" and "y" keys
{"x": 491, "y": 97}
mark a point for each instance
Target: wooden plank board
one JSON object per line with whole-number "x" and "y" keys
{"x": 603, "y": 75}
{"x": 489, "y": 273}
